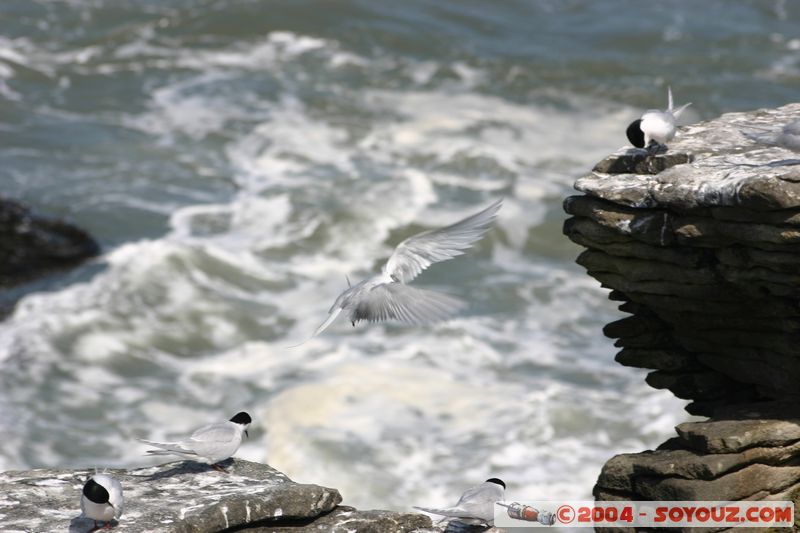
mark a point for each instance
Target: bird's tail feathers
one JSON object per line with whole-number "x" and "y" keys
{"x": 328, "y": 321}
{"x": 677, "y": 112}
{"x": 671, "y": 104}
{"x": 166, "y": 447}
{"x": 322, "y": 327}
{"x": 160, "y": 452}
{"x": 453, "y": 512}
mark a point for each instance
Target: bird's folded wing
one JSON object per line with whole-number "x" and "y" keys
{"x": 395, "y": 301}
{"x": 214, "y": 433}
{"x": 417, "y": 253}
{"x": 454, "y": 512}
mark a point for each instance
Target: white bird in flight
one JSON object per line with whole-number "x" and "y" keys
{"x": 476, "y": 505}
{"x": 101, "y": 499}
{"x": 656, "y": 128}
{"x": 386, "y": 296}
{"x": 209, "y": 444}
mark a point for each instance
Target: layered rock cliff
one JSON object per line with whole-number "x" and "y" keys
{"x": 701, "y": 247}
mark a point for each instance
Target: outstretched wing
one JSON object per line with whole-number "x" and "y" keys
{"x": 417, "y": 253}
{"x": 395, "y": 301}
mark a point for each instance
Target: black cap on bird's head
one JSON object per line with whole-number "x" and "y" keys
{"x": 496, "y": 481}
{"x": 243, "y": 419}
{"x": 95, "y": 492}
{"x": 635, "y": 133}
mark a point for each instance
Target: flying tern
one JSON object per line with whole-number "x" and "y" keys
{"x": 386, "y": 296}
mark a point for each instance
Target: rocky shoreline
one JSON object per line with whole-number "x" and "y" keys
{"x": 184, "y": 497}
{"x": 701, "y": 247}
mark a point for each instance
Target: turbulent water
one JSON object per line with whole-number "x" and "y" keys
{"x": 238, "y": 159}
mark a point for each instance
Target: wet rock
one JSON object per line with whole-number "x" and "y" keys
{"x": 637, "y": 161}
{"x": 185, "y": 497}
{"x": 703, "y": 250}
{"x": 349, "y": 520}
{"x": 708, "y": 250}
{"x": 755, "y": 454}
{"x": 32, "y": 245}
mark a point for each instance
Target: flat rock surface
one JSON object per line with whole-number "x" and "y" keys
{"x": 349, "y": 520}
{"x": 728, "y": 168}
{"x": 175, "y": 497}
{"x": 732, "y": 436}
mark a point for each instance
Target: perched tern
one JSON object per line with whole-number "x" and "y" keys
{"x": 102, "y": 499}
{"x": 656, "y": 128}
{"x": 209, "y": 444}
{"x": 476, "y": 505}
{"x": 386, "y": 296}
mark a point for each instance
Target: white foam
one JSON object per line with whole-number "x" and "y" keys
{"x": 193, "y": 326}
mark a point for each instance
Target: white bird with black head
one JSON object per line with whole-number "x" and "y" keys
{"x": 209, "y": 444}
{"x": 476, "y": 505}
{"x": 656, "y": 128}
{"x": 386, "y": 296}
{"x": 102, "y": 499}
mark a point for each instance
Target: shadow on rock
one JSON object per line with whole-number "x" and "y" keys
{"x": 456, "y": 526}
{"x": 81, "y": 524}
{"x": 190, "y": 467}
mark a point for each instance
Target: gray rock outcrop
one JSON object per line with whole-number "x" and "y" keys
{"x": 701, "y": 246}
{"x": 186, "y": 497}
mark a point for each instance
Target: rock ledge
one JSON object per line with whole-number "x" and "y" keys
{"x": 186, "y": 497}
{"x": 701, "y": 246}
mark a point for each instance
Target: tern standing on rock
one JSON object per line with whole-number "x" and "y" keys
{"x": 102, "y": 499}
{"x": 656, "y": 128}
{"x": 386, "y": 296}
{"x": 209, "y": 444}
{"x": 476, "y": 505}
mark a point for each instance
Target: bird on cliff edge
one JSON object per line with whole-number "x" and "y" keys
{"x": 209, "y": 444}
{"x": 656, "y": 128}
{"x": 386, "y": 296}
{"x": 102, "y": 499}
{"x": 476, "y": 505}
